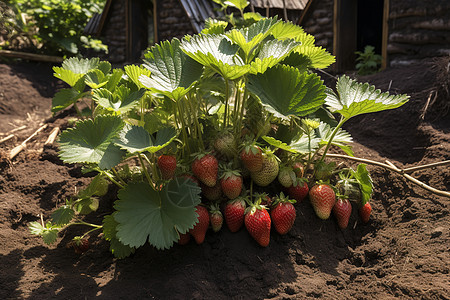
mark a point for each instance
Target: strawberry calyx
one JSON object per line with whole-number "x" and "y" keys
{"x": 282, "y": 198}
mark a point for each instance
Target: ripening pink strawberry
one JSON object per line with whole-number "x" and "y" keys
{"x": 231, "y": 183}
{"x": 322, "y": 199}
{"x": 252, "y": 158}
{"x": 216, "y": 217}
{"x": 364, "y": 212}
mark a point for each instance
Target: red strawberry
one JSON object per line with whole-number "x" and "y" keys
{"x": 199, "y": 230}
{"x": 231, "y": 183}
{"x": 322, "y": 198}
{"x": 234, "y": 214}
{"x": 299, "y": 190}
{"x": 80, "y": 245}
{"x": 364, "y": 212}
{"x": 167, "y": 165}
{"x": 299, "y": 169}
{"x": 342, "y": 211}
{"x": 263, "y": 199}
{"x": 258, "y": 222}
{"x": 216, "y": 217}
{"x": 205, "y": 168}
{"x": 268, "y": 172}
{"x": 252, "y": 158}
{"x": 184, "y": 238}
{"x": 283, "y": 214}
{"x": 213, "y": 193}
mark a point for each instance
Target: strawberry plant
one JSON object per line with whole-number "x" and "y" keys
{"x": 245, "y": 97}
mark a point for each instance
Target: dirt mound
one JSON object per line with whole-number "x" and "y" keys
{"x": 401, "y": 253}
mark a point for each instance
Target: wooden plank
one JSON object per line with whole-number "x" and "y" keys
{"x": 384, "y": 35}
{"x": 31, "y": 56}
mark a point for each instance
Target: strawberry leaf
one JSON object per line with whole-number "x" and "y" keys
{"x": 64, "y": 98}
{"x": 173, "y": 73}
{"x": 288, "y": 30}
{"x": 97, "y": 187}
{"x": 277, "y": 143}
{"x": 354, "y": 98}
{"x": 216, "y": 52}
{"x": 95, "y": 79}
{"x": 86, "y": 205}
{"x": 91, "y": 141}
{"x": 48, "y": 233}
{"x": 341, "y": 138}
{"x": 285, "y": 92}
{"x": 118, "y": 249}
{"x": 136, "y": 139}
{"x": 365, "y": 182}
{"x": 214, "y": 26}
{"x": 134, "y": 72}
{"x": 63, "y": 215}
{"x": 157, "y": 216}
{"x": 121, "y": 101}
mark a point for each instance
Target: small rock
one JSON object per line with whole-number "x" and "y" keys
{"x": 437, "y": 232}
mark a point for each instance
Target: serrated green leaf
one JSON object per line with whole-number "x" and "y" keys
{"x": 67, "y": 76}
{"x": 173, "y": 73}
{"x": 95, "y": 79}
{"x": 214, "y": 26}
{"x": 284, "y": 91}
{"x": 341, "y": 138}
{"x": 216, "y": 52}
{"x": 316, "y": 57}
{"x": 114, "y": 79}
{"x": 91, "y": 141}
{"x": 249, "y": 37}
{"x": 80, "y": 66}
{"x": 271, "y": 53}
{"x": 121, "y": 101}
{"x": 136, "y": 139}
{"x": 288, "y": 30}
{"x": 365, "y": 182}
{"x": 97, "y": 187}
{"x": 109, "y": 232}
{"x": 63, "y": 215}
{"x": 354, "y": 98}
{"x": 105, "y": 67}
{"x": 86, "y": 205}
{"x": 64, "y": 98}
{"x": 277, "y": 143}
{"x": 157, "y": 216}
{"x": 49, "y": 235}
{"x": 134, "y": 72}
{"x": 239, "y": 4}
{"x": 303, "y": 144}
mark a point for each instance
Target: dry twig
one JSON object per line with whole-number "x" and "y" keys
{"x": 16, "y": 150}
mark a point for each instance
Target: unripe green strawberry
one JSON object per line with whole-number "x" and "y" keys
{"x": 268, "y": 172}
{"x": 200, "y": 228}
{"x": 342, "y": 210}
{"x": 216, "y": 217}
{"x": 258, "y": 222}
{"x": 252, "y": 157}
{"x": 167, "y": 166}
{"x": 231, "y": 183}
{"x": 224, "y": 144}
{"x": 299, "y": 190}
{"x": 234, "y": 214}
{"x": 283, "y": 214}
{"x": 364, "y": 212}
{"x": 205, "y": 168}
{"x": 286, "y": 177}
{"x": 322, "y": 199}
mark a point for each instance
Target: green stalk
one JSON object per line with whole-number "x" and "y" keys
{"x": 244, "y": 100}
{"x": 197, "y": 124}
{"x": 113, "y": 180}
{"x": 93, "y": 229}
{"x": 227, "y": 95}
{"x": 339, "y": 125}
{"x": 147, "y": 175}
{"x": 117, "y": 175}
{"x": 183, "y": 128}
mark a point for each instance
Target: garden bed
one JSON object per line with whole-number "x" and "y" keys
{"x": 403, "y": 252}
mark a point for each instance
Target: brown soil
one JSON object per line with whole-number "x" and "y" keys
{"x": 402, "y": 253}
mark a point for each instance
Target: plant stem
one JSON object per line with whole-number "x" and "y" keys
{"x": 113, "y": 180}
{"x": 93, "y": 229}
{"x": 147, "y": 175}
{"x": 339, "y": 125}
{"x": 227, "y": 95}
{"x": 391, "y": 167}
{"x": 117, "y": 175}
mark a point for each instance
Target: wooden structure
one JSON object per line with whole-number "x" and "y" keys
{"x": 400, "y": 30}
{"x": 128, "y": 27}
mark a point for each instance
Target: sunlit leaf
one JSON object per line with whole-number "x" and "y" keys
{"x": 354, "y": 98}
{"x": 64, "y": 98}
{"x": 173, "y": 73}
{"x": 214, "y": 26}
{"x": 63, "y": 215}
{"x": 122, "y": 100}
{"x": 136, "y": 139}
{"x": 86, "y": 205}
{"x": 95, "y": 79}
{"x": 341, "y": 139}
{"x": 48, "y": 234}
{"x": 134, "y": 72}
{"x": 365, "y": 182}
{"x": 271, "y": 53}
